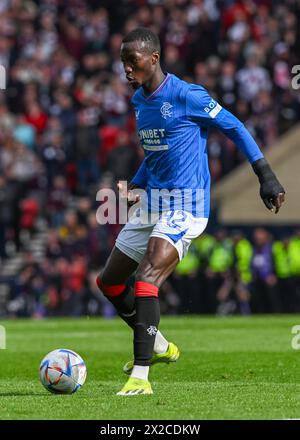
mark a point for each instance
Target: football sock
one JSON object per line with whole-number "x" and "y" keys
{"x": 124, "y": 302}
{"x": 122, "y": 297}
{"x": 147, "y": 320}
{"x": 161, "y": 344}
{"x": 140, "y": 372}
{"x": 125, "y": 306}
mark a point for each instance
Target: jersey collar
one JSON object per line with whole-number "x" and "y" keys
{"x": 148, "y": 97}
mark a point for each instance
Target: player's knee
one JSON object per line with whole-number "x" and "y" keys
{"x": 107, "y": 288}
{"x": 149, "y": 272}
{"x": 103, "y": 278}
{"x": 100, "y": 283}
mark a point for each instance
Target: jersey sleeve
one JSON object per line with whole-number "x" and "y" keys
{"x": 204, "y": 110}
{"x": 140, "y": 177}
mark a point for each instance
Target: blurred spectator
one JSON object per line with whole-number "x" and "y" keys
{"x": 57, "y": 201}
{"x": 242, "y": 276}
{"x": 29, "y": 213}
{"x": 121, "y": 159}
{"x": 282, "y": 265}
{"x": 294, "y": 259}
{"x": 25, "y": 133}
{"x": 219, "y": 282}
{"x": 187, "y": 283}
{"x": 172, "y": 61}
{"x": 54, "y": 156}
{"x": 252, "y": 79}
{"x": 87, "y": 148}
{"x": 54, "y": 246}
{"x": 10, "y": 212}
{"x": 265, "y": 290}
{"x": 35, "y": 116}
{"x": 5, "y": 215}
{"x": 98, "y": 242}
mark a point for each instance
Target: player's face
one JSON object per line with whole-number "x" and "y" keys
{"x": 139, "y": 65}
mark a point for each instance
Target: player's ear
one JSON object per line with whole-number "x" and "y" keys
{"x": 155, "y": 57}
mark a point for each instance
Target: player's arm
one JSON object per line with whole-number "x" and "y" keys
{"x": 201, "y": 108}
{"x": 140, "y": 178}
{"x": 138, "y": 181}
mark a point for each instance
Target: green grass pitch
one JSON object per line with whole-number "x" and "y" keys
{"x": 230, "y": 368}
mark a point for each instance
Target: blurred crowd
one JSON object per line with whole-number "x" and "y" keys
{"x": 67, "y": 128}
{"x": 230, "y": 273}
{"x": 224, "y": 273}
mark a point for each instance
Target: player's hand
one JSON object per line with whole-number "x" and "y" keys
{"x": 272, "y": 194}
{"x": 131, "y": 197}
{"x": 271, "y": 191}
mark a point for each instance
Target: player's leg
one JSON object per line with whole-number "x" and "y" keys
{"x": 168, "y": 243}
{"x": 112, "y": 282}
{"x": 159, "y": 261}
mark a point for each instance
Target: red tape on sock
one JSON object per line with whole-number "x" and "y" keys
{"x": 110, "y": 290}
{"x": 141, "y": 288}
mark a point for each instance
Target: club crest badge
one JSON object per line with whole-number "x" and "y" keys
{"x": 166, "y": 111}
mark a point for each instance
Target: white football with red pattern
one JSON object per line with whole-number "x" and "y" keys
{"x": 62, "y": 371}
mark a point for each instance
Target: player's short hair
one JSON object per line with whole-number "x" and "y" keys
{"x": 150, "y": 39}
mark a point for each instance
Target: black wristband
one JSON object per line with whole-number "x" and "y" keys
{"x": 263, "y": 170}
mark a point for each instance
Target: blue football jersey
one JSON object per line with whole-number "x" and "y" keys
{"x": 173, "y": 124}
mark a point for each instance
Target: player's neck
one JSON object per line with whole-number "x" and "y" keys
{"x": 154, "y": 82}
